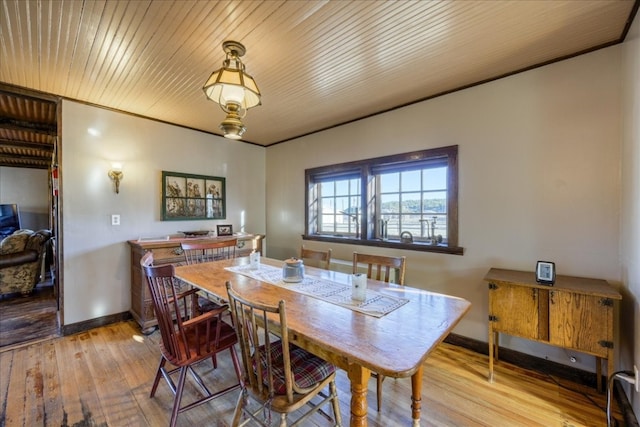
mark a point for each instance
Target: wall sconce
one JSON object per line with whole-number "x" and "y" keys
{"x": 116, "y": 175}
{"x": 233, "y": 89}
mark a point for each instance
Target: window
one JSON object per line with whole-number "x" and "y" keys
{"x": 408, "y": 200}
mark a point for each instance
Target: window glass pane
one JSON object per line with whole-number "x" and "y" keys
{"x": 410, "y": 203}
{"x": 327, "y": 206}
{"x": 355, "y": 186}
{"x": 342, "y": 227}
{"x": 354, "y": 205}
{"x": 434, "y": 202}
{"x": 411, "y": 223}
{"x": 328, "y": 224}
{"x": 326, "y": 188}
{"x": 434, "y": 179}
{"x": 342, "y": 188}
{"x": 390, "y": 182}
{"x": 393, "y": 226}
{"x": 342, "y": 204}
{"x": 390, "y": 203}
{"x": 435, "y": 225}
{"x": 411, "y": 181}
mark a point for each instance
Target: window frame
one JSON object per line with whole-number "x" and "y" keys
{"x": 366, "y": 170}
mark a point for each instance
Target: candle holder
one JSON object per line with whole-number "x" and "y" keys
{"x": 359, "y": 287}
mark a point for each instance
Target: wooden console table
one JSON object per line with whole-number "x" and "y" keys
{"x": 170, "y": 252}
{"x": 575, "y": 313}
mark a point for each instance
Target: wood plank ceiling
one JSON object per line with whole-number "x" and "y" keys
{"x": 318, "y": 64}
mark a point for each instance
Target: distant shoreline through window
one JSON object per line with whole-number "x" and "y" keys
{"x": 407, "y": 201}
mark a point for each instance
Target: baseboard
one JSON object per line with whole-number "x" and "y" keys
{"x": 548, "y": 367}
{"x": 75, "y": 328}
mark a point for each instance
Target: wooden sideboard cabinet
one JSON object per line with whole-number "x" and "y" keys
{"x": 575, "y": 313}
{"x": 170, "y": 252}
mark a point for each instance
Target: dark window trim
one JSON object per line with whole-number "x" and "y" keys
{"x": 364, "y": 168}
{"x": 395, "y": 244}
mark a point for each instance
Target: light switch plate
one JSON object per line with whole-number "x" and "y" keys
{"x": 115, "y": 219}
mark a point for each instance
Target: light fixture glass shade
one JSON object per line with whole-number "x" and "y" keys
{"x": 232, "y": 85}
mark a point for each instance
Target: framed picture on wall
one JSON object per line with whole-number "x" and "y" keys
{"x": 545, "y": 272}
{"x": 225, "y": 230}
{"x": 189, "y": 197}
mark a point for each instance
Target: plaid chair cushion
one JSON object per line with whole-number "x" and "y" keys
{"x": 307, "y": 368}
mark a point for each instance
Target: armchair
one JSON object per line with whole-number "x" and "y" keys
{"x": 21, "y": 257}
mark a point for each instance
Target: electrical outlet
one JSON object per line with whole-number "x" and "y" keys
{"x": 115, "y": 219}
{"x": 637, "y": 385}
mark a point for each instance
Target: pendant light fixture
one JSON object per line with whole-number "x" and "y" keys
{"x": 233, "y": 89}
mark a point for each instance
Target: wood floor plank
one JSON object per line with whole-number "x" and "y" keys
{"x": 6, "y": 364}
{"x": 103, "y": 378}
{"x": 52, "y": 397}
{"x": 116, "y": 399}
{"x": 133, "y": 357}
{"x": 16, "y": 391}
{"x": 34, "y": 384}
{"x": 85, "y": 386}
{"x": 71, "y": 410}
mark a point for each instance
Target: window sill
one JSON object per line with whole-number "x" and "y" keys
{"x": 395, "y": 244}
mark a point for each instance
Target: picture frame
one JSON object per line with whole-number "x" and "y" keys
{"x": 224, "y": 230}
{"x": 191, "y": 197}
{"x": 546, "y": 272}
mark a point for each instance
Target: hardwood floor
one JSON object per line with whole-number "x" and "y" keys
{"x": 28, "y": 318}
{"x": 102, "y": 377}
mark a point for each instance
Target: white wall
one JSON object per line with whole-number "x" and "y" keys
{"x": 29, "y": 188}
{"x": 539, "y": 156}
{"x": 630, "y": 229}
{"x": 96, "y": 256}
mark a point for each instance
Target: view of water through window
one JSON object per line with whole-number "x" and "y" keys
{"x": 413, "y": 201}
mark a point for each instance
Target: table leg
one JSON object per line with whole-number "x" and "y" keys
{"x": 416, "y": 396}
{"x": 359, "y": 377}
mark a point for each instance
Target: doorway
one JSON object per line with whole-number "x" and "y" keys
{"x": 28, "y": 171}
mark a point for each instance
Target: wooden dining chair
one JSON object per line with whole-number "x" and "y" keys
{"x": 321, "y": 259}
{"x": 198, "y": 252}
{"x": 188, "y": 338}
{"x": 279, "y": 376}
{"x": 381, "y": 266}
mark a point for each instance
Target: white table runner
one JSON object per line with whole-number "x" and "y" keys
{"x": 376, "y": 304}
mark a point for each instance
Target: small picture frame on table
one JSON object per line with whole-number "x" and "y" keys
{"x": 546, "y": 272}
{"x": 224, "y": 230}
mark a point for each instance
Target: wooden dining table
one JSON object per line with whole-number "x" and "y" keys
{"x": 394, "y": 345}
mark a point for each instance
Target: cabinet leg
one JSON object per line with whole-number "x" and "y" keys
{"x": 610, "y": 367}
{"x": 599, "y": 373}
{"x": 491, "y": 338}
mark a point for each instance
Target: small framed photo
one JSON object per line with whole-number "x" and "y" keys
{"x": 225, "y": 230}
{"x": 546, "y": 272}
